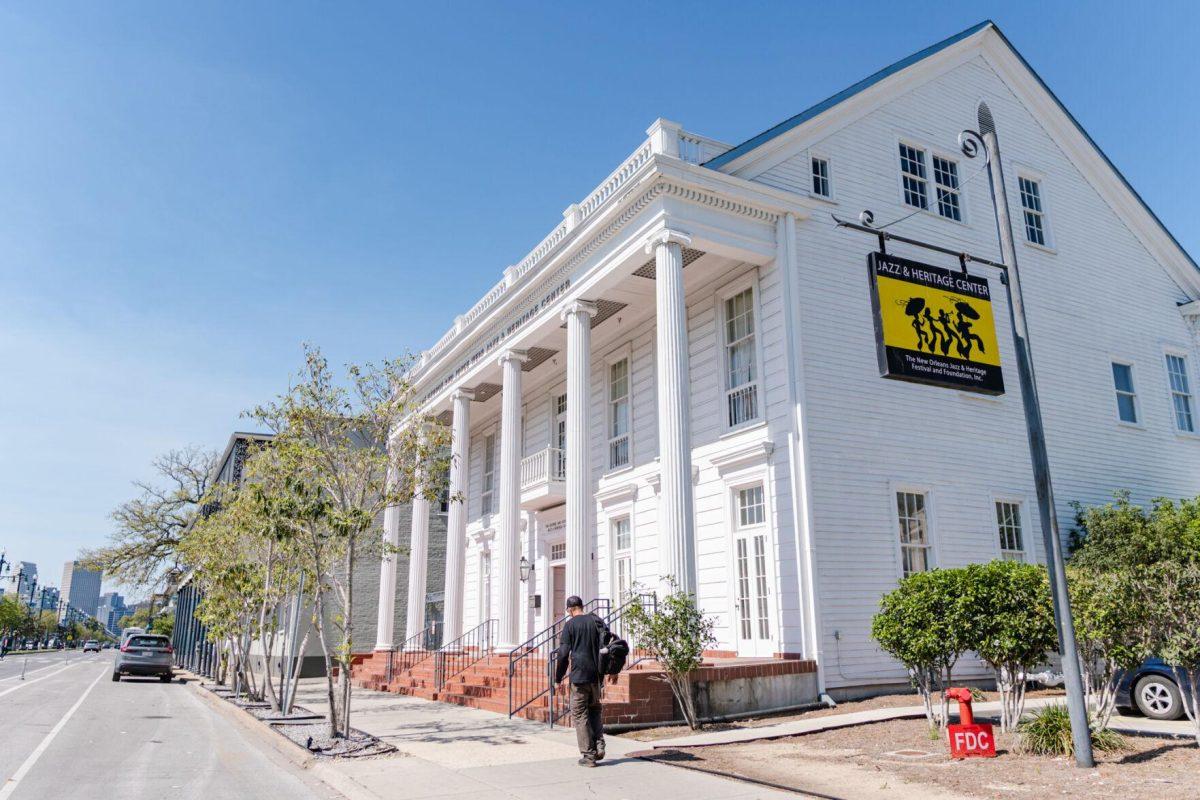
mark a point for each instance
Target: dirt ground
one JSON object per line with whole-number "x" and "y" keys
{"x": 884, "y": 701}
{"x": 898, "y": 759}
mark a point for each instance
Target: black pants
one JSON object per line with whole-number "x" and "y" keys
{"x": 585, "y": 713}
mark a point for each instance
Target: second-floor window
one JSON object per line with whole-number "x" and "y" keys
{"x": 820, "y": 177}
{"x": 1126, "y": 396}
{"x": 618, "y": 414}
{"x": 1032, "y": 210}
{"x": 945, "y": 179}
{"x": 912, "y": 176}
{"x": 1181, "y": 393}
{"x": 741, "y": 355}
{"x": 489, "y": 474}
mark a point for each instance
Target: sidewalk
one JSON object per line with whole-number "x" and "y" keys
{"x": 449, "y": 751}
{"x": 1135, "y": 725}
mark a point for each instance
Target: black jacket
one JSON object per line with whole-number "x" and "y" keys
{"x": 580, "y": 641}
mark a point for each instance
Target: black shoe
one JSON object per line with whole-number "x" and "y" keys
{"x": 587, "y": 762}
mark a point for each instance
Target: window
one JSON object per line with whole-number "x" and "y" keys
{"x": 741, "y": 371}
{"x": 489, "y": 474}
{"x": 1031, "y": 206}
{"x": 914, "y": 532}
{"x": 622, "y": 537}
{"x": 559, "y": 464}
{"x": 1126, "y": 397}
{"x": 750, "y": 565}
{"x": 618, "y": 414}
{"x": 558, "y": 551}
{"x": 945, "y": 179}
{"x": 912, "y": 174}
{"x": 444, "y": 500}
{"x": 1181, "y": 393}
{"x": 820, "y": 177}
{"x": 1008, "y": 525}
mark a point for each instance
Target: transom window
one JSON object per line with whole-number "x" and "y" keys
{"x": 820, "y": 177}
{"x": 741, "y": 371}
{"x": 1031, "y": 207}
{"x": 618, "y": 414}
{"x": 912, "y": 173}
{"x": 1181, "y": 393}
{"x": 558, "y": 551}
{"x": 1126, "y": 397}
{"x": 489, "y": 474}
{"x": 945, "y": 179}
{"x": 1008, "y": 525}
{"x": 914, "y": 532}
{"x": 752, "y": 509}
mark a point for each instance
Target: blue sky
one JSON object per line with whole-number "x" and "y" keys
{"x": 190, "y": 191}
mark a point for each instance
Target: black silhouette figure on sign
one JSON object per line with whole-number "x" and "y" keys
{"x": 940, "y": 332}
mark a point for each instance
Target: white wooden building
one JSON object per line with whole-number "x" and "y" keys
{"x": 681, "y": 378}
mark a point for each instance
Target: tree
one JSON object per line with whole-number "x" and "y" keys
{"x": 162, "y": 621}
{"x": 676, "y": 635}
{"x": 1009, "y": 621}
{"x": 341, "y": 455}
{"x": 1171, "y": 594}
{"x": 143, "y": 550}
{"x": 922, "y": 625}
{"x": 1121, "y": 535}
{"x": 1110, "y": 630}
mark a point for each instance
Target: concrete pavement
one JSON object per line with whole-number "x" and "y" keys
{"x": 68, "y": 731}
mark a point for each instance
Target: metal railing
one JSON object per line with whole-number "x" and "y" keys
{"x": 531, "y": 664}
{"x": 453, "y": 658}
{"x": 413, "y": 651}
{"x": 543, "y": 466}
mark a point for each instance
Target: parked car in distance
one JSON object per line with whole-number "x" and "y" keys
{"x": 147, "y": 654}
{"x": 91, "y": 645}
{"x": 125, "y": 634}
{"x": 1152, "y": 690}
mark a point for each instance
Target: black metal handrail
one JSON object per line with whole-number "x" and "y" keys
{"x": 413, "y": 651}
{"x": 453, "y": 658}
{"x": 526, "y": 682}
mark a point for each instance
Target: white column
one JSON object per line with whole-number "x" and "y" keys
{"x": 581, "y": 540}
{"x": 418, "y": 562}
{"x": 676, "y": 525}
{"x": 508, "y": 533}
{"x": 456, "y": 523}
{"x": 384, "y": 625}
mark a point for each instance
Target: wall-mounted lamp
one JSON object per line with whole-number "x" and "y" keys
{"x": 526, "y": 569}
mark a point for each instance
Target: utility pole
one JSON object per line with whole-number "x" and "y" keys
{"x": 1076, "y": 704}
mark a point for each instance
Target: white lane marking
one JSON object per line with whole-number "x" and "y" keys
{"x": 35, "y": 680}
{"x": 39, "y": 669}
{"x": 11, "y": 785}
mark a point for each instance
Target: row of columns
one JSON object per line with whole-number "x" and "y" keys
{"x": 676, "y": 539}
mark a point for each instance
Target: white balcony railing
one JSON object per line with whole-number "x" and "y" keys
{"x": 546, "y": 466}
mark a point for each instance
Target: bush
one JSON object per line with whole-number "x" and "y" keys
{"x": 1047, "y": 732}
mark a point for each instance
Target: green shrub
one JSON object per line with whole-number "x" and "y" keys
{"x": 1047, "y": 732}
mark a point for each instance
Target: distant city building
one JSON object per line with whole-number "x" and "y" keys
{"x": 27, "y": 574}
{"x": 80, "y": 588}
{"x": 111, "y": 611}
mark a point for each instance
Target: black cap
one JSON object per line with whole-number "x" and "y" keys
{"x": 574, "y": 601}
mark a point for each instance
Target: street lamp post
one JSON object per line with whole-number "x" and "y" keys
{"x": 1076, "y": 704}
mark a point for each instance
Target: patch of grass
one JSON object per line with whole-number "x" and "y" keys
{"x": 1047, "y": 732}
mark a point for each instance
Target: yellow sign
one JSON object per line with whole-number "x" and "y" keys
{"x": 934, "y": 325}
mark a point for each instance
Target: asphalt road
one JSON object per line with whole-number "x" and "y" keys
{"x": 67, "y": 731}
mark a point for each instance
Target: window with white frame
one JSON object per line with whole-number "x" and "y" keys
{"x": 751, "y": 586}
{"x": 489, "y": 475}
{"x": 821, "y": 186}
{"x": 1126, "y": 396}
{"x": 1008, "y": 526}
{"x": 741, "y": 356}
{"x": 1181, "y": 393}
{"x": 558, "y": 551}
{"x": 911, "y": 508}
{"x": 1032, "y": 210}
{"x": 618, "y": 414}
{"x": 622, "y": 543}
{"x": 913, "y": 176}
{"x": 945, "y": 181}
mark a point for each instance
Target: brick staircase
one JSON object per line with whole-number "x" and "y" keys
{"x": 639, "y": 694}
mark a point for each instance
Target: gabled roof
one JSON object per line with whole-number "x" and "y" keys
{"x": 825, "y": 105}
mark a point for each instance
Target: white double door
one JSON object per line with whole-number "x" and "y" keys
{"x": 752, "y": 576}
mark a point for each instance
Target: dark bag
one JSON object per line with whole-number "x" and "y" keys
{"x": 613, "y": 654}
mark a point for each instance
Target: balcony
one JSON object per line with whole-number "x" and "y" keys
{"x": 543, "y": 479}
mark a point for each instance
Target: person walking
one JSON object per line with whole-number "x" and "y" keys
{"x": 579, "y": 644}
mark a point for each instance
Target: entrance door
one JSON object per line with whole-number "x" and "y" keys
{"x": 485, "y": 586}
{"x": 751, "y": 573}
{"x": 558, "y": 599}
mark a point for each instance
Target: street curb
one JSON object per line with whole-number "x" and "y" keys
{"x": 325, "y": 772}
